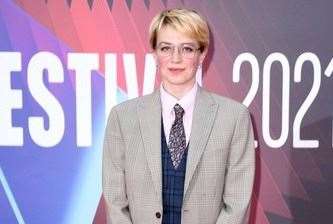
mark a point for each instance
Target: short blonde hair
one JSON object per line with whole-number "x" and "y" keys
{"x": 186, "y": 21}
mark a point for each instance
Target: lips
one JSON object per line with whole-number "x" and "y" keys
{"x": 176, "y": 70}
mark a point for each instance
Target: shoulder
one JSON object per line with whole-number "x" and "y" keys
{"x": 227, "y": 104}
{"x": 129, "y": 107}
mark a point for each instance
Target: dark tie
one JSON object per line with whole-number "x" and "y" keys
{"x": 177, "y": 139}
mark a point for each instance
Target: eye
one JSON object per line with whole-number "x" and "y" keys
{"x": 188, "y": 49}
{"x": 165, "y": 48}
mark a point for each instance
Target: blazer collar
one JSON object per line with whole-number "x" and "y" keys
{"x": 150, "y": 112}
{"x": 204, "y": 114}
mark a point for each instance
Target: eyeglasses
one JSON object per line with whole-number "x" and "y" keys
{"x": 187, "y": 51}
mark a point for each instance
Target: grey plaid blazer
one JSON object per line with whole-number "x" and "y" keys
{"x": 220, "y": 163}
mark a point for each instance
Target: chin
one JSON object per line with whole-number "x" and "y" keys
{"x": 179, "y": 82}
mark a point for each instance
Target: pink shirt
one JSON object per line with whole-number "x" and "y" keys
{"x": 186, "y": 102}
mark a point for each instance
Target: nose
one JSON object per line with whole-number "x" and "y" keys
{"x": 176, "y": 55}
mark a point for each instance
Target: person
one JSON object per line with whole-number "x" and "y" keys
{"x": 181, "y": 154}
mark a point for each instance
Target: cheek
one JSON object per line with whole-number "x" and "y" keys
{"x": 162, "y": 64}
{"x": 192, "y": 65}
{"x": 195, "y": 64}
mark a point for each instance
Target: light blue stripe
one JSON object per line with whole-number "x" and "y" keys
{"x": 88, "y": 186}
{"x": 11, "y": 198}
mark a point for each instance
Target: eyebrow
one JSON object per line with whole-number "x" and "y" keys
{"x": 186, "y": 43}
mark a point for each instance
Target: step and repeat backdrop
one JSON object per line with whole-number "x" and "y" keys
{"x": 65, "y": 64}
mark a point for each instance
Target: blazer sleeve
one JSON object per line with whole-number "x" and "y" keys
{"x": 114, "y": 187}
{"x": 239, "y": 172}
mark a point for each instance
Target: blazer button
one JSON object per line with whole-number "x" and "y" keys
{"x": 158, "y": 215}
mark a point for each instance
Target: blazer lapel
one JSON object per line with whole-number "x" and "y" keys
{"x": 203, "y": 119}
{"x": 149, "y": 113}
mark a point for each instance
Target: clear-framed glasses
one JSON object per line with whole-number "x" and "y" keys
{"x": 187, "y": 51}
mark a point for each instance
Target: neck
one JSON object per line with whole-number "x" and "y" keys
{"x": 177, "y": 91}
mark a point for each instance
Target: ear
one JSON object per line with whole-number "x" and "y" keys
{"x": 155, "y": 56}
{"x": 202, "y": 56}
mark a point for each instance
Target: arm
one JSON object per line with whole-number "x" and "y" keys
{"x": 239, "y": 173}
{"x": 114, "y": 186}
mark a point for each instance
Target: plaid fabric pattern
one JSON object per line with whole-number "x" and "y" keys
{"x": 173, "y": 184}
{"x": 220, "y": 162}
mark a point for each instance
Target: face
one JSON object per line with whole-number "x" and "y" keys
{"x": 177, "y": 57}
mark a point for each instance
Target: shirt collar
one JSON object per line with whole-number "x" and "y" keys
{"x": 168, "y": 101}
